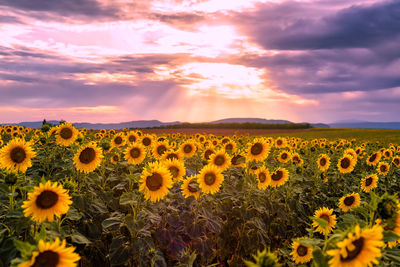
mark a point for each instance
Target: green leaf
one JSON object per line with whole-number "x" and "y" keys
{"x": 78, "y": 238}
{"x": 389, "y": 236}
{"x": 127, "y": 198}
{"x": 319, "y": 259}
{"x": 24, "y": 248}
{"x": 320, "y": 221}
{"x": 310, "y": 242}
{"x": 73, "y": 214}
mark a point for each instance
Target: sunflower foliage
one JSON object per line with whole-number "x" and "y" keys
{"x": 114, "y": 198}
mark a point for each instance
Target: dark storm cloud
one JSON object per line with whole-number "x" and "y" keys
{"x": 88, "y": 8}
{"x": 299, "y": 26}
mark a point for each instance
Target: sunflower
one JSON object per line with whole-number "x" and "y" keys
{"x": 387, "y": 154}
{"x": 132, "y": 137}
{"x": 172, "y": 154}
{"x": 346, "y": 164}
{"x": 374, "y": 158}
{"x": 370, "y": 182}
{"x": 279, "y": 177}
{"x": 88, "y": 158}
{"x": 349, "y": 201}
{"x": 17, "y": 155}
{"x": 351, "y": 152}
{"x": 210, "y": 179}
{"x": 280, "y": 142}
{"x": 66, "y": 134}
{"x": 135, "y": 153}
{"x": 263, "y": 178}
{"x": 159, "y": 149}
{"x": 258, "y": 150}
{"x": 190, "y": 187}
{"x": 176, "y": 168}
{"x": 323, "y": 162}
{"x": 383, "y": 168}
{"x": 54, "y": 254}
{"x": 147, "y": 140}
{"x": 296, "y": 159}
{"x": 360, "y": 248}
{"x": 238, "y": 160}
{"x": 396, "y": 161}
{"x": 47, "y": 200}
{"x": 221, "y": 160}
{"x": 155, "y": 181}
{"x": 118, "y": 140}
{"x": 284, "y": 156}
{"x": 188, "y": 149}
{"x": 115, "y": 158}
{"x": 301, "y": 253}
{"x": 207, "y": 153}
{"x": 325, "y": 214}
{"x": 230, "y": 146}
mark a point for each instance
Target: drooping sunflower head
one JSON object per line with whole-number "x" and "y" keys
{"x": 296, "y": 159}
{"x": 263, "y": 178}
{"x": 388, "y": 207}
{"x": 325, "y": 214}
{"x": 47, "y": 200}
{"x": 190, "y": 187}
{"x": 135, "y": 153}
{"x": 323, "y": 162}
{"x": 17, "y": 155}
{"x": 396, "y": 161}
{"x": 238, "y": 160}
{"x": 374, "y": 158}
{"x": 369, "y": 182}
{"x": 207, "y": 153}
{"x": 221, "y": 160}
{"x": 279, "y": 177}
{"x": 258, "y": 150}
{"x": 301, "y": 253}
{"x": 346, "y": 164}
{"x": 349, "y": 201}
{"x": 118, "y": 140}
{"x": 159, "y": 149}
{"x": 383, "y": 168}
{"x": 115, "y": 158}
{"x": 188, "y": 149}
{"x": 210, "y": 179}
{"x": 66, "y": 134}
{"x": 176, "y": 168}
{"x": 284, "y": 156}
{"x": 359, "y": 248}
{"x": 155, "y": 181}
{"x": 88, "y": 158}
{"x": 52, "y": 254}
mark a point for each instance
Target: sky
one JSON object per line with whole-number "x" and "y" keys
{"x": 199, "y": 60}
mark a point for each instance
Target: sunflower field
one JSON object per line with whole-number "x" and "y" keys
{"x": 78, "y": 197}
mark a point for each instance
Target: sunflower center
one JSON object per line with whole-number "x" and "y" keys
{"x": 207, "y": 154}
{"x": 132, "y": 138}
{"x": 161, "y": 149}
{"x": 284, "y": 156}
{"x": 373, "y": 157}
{"x": 116, "y": 157}
{"x": 348, "y": 201}
{"x": 256, "y": 149}
{"x": 229, "y": 147}
{"x": 134, "y": 152}
{"x": 46, "y": 258}
{"x": 345, "y": 163}
{"x": 187, "y": 148}
{"x": 302, "y": 250}
{"x": 18, "y": 154}
{"x": 192, "y": 189}
{"x": 210, "y": 178}
{"x": 322, "y": 161}
{"x": 262, "y": 177}
{"x": 66, "y": 133}
{"x": 352, "y": 254}
{"x": 172, "y": 156}
{"x": 118, "y": 140}
{"x": 325, "y": 217}
{"x": 46, "y": 199}
{"x": 146, "y": 141}
{"x": 368, "y": 181}
{"x": 383, "y": 168}
{"x": 219, "y": 160}
{"x": 154, "y": 182}
{"x": 396, "y": 161}
{"x": 174, "y": 171}
{"x": 276, "y": 176}
{"x": 87, "y": 155}
{"x": 296, "y": 159}
{"x": 279, "y": 142}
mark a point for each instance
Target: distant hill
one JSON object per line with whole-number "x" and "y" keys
{"x": 366, "y": 125}
{"x": 250, "y": 120}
